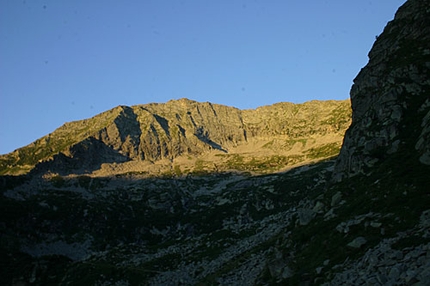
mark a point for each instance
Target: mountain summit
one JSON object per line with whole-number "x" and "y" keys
{"x": 146, "y": 134}
{"x": 189, "y": 193}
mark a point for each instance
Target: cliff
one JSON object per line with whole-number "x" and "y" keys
{"x": 390, "y": 97}
{"x": 82, "y": 218}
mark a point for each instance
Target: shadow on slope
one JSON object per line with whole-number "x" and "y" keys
{"x": 61, "y": 228}
{"x": 278, "y": 228}
{"x": 82, "y": 158}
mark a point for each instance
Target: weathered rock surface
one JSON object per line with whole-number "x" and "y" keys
{"x": 390, "y": 96}
{"x": 154, "y": 132}
{"x": 368, "y": 226}
{"x": 386, "y": 264}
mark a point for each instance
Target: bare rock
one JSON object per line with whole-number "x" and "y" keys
{"x": 388, "y": 92}
{"x": 357, "y": 242}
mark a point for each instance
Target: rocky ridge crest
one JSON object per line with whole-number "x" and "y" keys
{"x": 370, "y": 225}
{"x": 146, "y": 134}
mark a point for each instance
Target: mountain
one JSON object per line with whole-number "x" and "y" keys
{"x": 146, "y": 134}
{"x": 87, "y": 214}
{"x": 391, "y": 96}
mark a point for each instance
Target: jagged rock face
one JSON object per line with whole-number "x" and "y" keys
{"x": 287, "y": 228}
{"x": 185, "y": 126}
{"x": 391, "y": 95}
{"x": 152, "y": 132}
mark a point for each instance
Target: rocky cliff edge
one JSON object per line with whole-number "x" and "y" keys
{"x": 391, "y": 96}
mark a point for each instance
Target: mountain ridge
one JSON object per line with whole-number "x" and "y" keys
{"x": 156, "y": 131}
{"x": 359, "y": 218}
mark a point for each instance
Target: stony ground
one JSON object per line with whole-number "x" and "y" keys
{"x": 225, "y": 228}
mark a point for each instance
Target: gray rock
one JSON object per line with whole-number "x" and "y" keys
{"x": 287, "y": 272}
{"x": 381, "y": 278}
{"x": 383, "y": 92}
{"x": 425, "y": 219}
{"x": 305, "y": 216}
{"x": 329, "y": 215}
{"x": 319, "y": 207}
{"x": 277, "y": 267}
{"x": 394, "y": 273}
{"x": 152, "y": 133}
{"x": 357, "y": 242}
{"x": 375, "y": 224}
{"x": 335, "y": 199}
{"x": 424, "y": 275}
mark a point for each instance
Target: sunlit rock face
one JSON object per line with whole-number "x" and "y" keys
{"x": 391, "y": 95}
{"x": 150, "y": 133}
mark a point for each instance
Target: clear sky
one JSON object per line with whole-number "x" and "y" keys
{"x": 72, "y": 59}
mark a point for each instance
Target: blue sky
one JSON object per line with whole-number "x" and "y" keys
{"x": 69, "y": 60}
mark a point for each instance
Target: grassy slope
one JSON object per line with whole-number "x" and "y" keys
{"x": 23, "y": 159}
{"x": 279, "y": 119}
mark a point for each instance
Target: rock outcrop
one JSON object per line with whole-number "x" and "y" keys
{"x": 298, "y": 227}
{"x": 153, "y": 132}
{"x": 391, "y": 95}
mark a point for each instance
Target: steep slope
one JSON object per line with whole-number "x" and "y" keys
{"x": 361, "y": 219}
{"x": 152, "y": 132}
{"x": 391, "y": 96}
{"x": 60, "y": 140}
{"x": 371, "y": 227}
{"x": 371, "y": 224}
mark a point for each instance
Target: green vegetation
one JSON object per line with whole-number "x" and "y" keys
{"x": 67, "y": 135}
{"x": 177, "y": 170}
{"x": 193, "y": 226}
{"x": 325, "y": 151}
{"x": 188, "y": 218}
{"x": 167, "y": 131}
{"x": 264, "y": 164}
{"x": 339, "y": 118}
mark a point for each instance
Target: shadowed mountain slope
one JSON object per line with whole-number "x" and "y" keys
{"x": 391, "y": 96}
{"x": 86, "y": 215}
